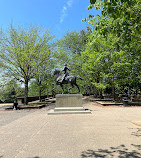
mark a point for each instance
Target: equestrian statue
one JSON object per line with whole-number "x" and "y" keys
{"x": 65, "y": 78}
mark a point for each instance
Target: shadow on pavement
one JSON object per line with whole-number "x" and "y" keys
{"x": 120, "y": 151}
{"x": 137, "y": 133}
{"x": 35, "y": 157}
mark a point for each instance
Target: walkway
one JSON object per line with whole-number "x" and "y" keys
{"x": 108, "y": 132}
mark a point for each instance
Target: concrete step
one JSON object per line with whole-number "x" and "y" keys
{"x": 52, "y": 112}
{"x": 69, "y": 109}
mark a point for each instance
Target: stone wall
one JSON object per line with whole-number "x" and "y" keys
{"x": 32, "y": 98}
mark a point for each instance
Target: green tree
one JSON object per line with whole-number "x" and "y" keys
{"x": 45, "y": 87}
{"x": 43, "y": 79}
{"x": 10, "y": 90}
{"x": 119, "y": 27}
{"x": 98, "y": 61}
{"x": 19, "y": 51}
{"x": 43, "y": 71}
{"x": 69, "y": 50}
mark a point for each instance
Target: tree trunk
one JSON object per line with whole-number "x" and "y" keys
{"x": 26, "y": 92}
{"x": 40, "y": 91}
{"x": 113, "y": 89}
{"x": 113, "y": 92}
{"x": 101, "y": 94}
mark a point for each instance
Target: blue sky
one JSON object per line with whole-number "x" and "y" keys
{"x": 59, "y": 16}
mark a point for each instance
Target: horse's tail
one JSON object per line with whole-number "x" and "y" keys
{"x": 79, "y": 77}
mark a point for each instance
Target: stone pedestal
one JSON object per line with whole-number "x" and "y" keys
{"x": 68, "y": 104}
{"x": 68, "y": 100}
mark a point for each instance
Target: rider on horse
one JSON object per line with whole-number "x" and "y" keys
{"x": 65, "y": 69}
{"x": 69, "y": 79}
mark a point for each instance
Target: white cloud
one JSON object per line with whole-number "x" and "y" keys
{"x": 69, "y": 3}
{"x": 64, "y": 14}
{"x": 64, "y": 10}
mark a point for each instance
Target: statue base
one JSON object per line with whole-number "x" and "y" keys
{"x": 68, "y": 104}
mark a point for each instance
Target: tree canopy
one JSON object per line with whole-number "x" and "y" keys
{"x": 113, "y": 51}
{"x": 107, "y": 55}
{"x": 22, "y": 52}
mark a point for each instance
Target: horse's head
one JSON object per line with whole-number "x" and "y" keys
{"x": 56, "y": 72}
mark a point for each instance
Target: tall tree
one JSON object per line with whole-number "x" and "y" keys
{"x": 19, "y": 50}
{"x": 43, "y": 73}
{"x": 69, "y": 50}
{"x": 120, "y": 19}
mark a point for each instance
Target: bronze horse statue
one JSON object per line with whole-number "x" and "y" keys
{"x": 70, "y": 79}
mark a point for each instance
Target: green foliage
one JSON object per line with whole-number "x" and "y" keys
{"x": 22, "y": 52}
{"x": 42, "y": 74}
{"x": 112, "y": 56}
{"x": 43, "y": 87}
{"x": 107, "y": 57}
{"x": 10, "y": 90}
{"x": 69, "y": 50}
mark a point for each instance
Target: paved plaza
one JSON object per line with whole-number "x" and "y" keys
{"x": 107, "y": 132}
